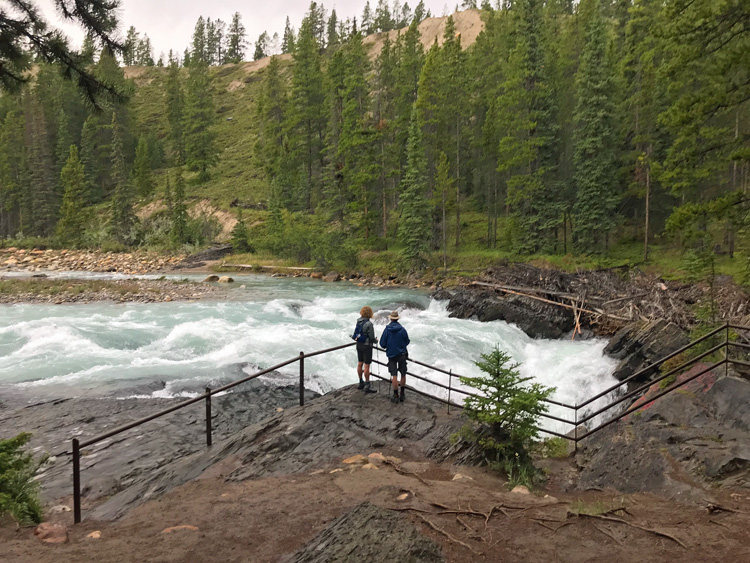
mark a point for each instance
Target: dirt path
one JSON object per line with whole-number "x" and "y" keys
{"x": 268, "y": 519}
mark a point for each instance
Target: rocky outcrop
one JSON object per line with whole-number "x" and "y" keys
{"x": 15, "y": 259}
{"x": 332, "y": 277}
{"x": 369, "y": 533}
{"x": 677, "y": 446}
{"x": 640, "y": 344}
{"x": 535, "y": 318}
{"x": 300, "y": 439}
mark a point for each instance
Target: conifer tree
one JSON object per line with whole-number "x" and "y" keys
{"x": 11, "y": 172}
{"x": 73, "y": 180}
{"x": 122, "y": 218}
{"x": 307, "y": 119}
{"x": 198, "y": 122}
{"x": 179, "y": 211}
{"x": 332, "y": 35}
{"x": 595, "y": 140}
{"x": 261, "y": 47}
{"x": 383, "y": 20}
{"x": 43, "y": 192}
{"x": 198, "y": 51}
{"x": 239, "y": 234}
{"x": 64, "y": 137}
{"x": 130, "y": 54}
{"x": 365, "y": 24}
{"x": 168, "y": 197}
{"x": 288, "y": 41}
{"x": 408, "y": 71}
{"x": 414, "y": 226}
{"x": 236, "y": 40}
{"x": 272, "y": 112}
{"x": 175, "y": 109}
{"x": 144, "y": 182}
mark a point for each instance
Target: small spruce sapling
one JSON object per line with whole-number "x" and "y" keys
{"x": 507, "y": 410}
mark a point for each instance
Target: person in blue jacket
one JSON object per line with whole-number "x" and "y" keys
{"x": 395, "y": 339}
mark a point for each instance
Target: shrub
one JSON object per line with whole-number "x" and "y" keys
{"x": 19, "y": 493}
{"x": 506, "y": 413}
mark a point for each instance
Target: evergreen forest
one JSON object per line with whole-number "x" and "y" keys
{"x": 594, "y": 131}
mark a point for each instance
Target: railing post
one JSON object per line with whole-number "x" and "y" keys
{"x": 208, "y": 417}
{"x": 450, "y": 384}
{"x": 76, "y": 482}
{"x": 726, "y": 352}
{"x": 302, "y": 379}
{"x": 575, "y": 431}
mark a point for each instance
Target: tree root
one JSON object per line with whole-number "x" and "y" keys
{"x": 448, "y": 535}
{"x": 621, "y": 521}
{"x": 609, "y": 534}
{"x": 404, "y": 472}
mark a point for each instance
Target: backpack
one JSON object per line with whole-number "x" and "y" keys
{"x": 359, "y": 334}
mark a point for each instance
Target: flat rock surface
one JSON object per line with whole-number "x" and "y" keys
{"x": 373, "y": 534}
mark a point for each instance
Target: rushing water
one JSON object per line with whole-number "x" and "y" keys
{"x": 63, "y": 350}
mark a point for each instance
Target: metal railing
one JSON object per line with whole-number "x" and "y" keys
{"x": 451, "y": 389}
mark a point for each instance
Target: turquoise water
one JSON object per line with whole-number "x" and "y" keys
{"x": 64, "y": 350}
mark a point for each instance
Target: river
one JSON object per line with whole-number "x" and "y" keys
{"x": 174, "y": 349}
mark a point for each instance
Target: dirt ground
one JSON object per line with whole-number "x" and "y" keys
{"x": 473, "y": 519}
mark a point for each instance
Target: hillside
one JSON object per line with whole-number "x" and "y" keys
{"x": 236, "y": 89}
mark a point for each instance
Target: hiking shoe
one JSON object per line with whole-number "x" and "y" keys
{"x": 368, "y": 389}
{"x": 361, "y": 384}
{"x": 401, "y": 398}
{"x": 394, "y": 399}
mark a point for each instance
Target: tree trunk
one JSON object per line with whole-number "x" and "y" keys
{"x": 648, "y": 196}
{"x": 458, "y": 187}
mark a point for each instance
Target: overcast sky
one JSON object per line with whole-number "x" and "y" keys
{"x": 169, "y": 23}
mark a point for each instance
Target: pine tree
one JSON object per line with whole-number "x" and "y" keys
{"x": 130, "y": 55}
{"x": 122, "y": 218}
{"x": 179, "y": 211}
{"x": 261, "y": 47}
{"x": 366, "y": 21}
{"x": 414, "y": 227}
{"x": 595, "y": 157}
{"x": 73, "y": 180}
{"x": 168, "y": 198}
{"x": 307, "y": 119}
{"x": 443, "y": 197}
{"x": 175, "y": 109}
{"x": 43, "y": 193}
{"x": 332, "y": 36}
{"x": 237, "y": 40}
{"x": 271, "y": 146}
{"x": 144, "y": 182}
{"x": 88, "y": 49}
{"x": 64, "y": 139}
{"x": 288, "y": 41}
{"x": 198, "y": 120}
{"x": 383, "y": 20}
{"x": 239, "y": 234}
{"x": 408, "y": 71}
{"x": 198, "y": 51}
{"x": 11, "y": 172}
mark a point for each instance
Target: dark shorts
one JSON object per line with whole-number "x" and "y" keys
{"x": 364, "y": 353}
{"x": 397, "y": 363}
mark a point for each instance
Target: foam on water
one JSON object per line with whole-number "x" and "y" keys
{"x": 64, "y": 350}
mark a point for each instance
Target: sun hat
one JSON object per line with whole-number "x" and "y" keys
{"x": 394, "y": 316}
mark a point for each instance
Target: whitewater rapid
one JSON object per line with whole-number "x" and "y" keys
{"x": 73, "y": 350}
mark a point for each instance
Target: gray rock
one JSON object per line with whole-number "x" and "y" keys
{"x": 640, "y": 344}
{"x": 225, "y": 279}
{"x": 678, "y": 446}
{"x": 372, "y": 534}
{"x": 332, "y": 277}
{"x": 300, "y": 439}
{"x": 535, "y": 318}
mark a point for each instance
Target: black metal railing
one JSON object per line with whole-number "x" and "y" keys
{"x": 576, "y": 421}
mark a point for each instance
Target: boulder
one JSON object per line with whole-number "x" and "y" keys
{"x": 50, "y": 532}
{"x": 332, "y": 277}
{"x": 225, "y": 279}
{"x": 372, "y": 534}
{"x": 212, "y": 278}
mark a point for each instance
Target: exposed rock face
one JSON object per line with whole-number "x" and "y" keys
{"x": 372, "y": 534}
{"x": 298, "y": 439}
{"x": 535, "y": 318}
{"x": 640, "y": 344}
{"x": 674, "y": 446}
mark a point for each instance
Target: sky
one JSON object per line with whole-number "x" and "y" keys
{"x": 169, "y": 23}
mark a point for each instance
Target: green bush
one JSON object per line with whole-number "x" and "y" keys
{"x": 506, "y": 413}
{"x": 19, "y": 493}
